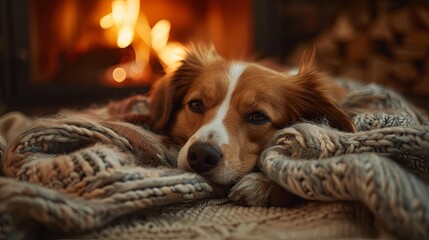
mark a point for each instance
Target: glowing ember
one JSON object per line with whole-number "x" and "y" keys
{"x": 127, "y": 21}
{"x": 119, "y": 74}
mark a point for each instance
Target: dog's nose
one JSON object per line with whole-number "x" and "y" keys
{"x": 202, "y": 157}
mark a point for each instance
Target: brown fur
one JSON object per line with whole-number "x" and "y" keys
{"x": 284, "y": 99}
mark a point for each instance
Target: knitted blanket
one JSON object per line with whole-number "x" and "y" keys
{"x": 100, "y": 173}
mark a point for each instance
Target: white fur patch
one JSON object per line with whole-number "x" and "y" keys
{"x": 216, "y": 127}
{"x": 293, "y": 71}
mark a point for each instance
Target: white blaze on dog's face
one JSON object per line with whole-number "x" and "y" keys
{"x": 225, "y": 112}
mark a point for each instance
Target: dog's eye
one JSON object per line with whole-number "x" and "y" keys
{"x": 258, "y": 118}
{"x": 196, "y": 106}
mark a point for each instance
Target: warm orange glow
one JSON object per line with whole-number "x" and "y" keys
{"x": 107, "y": 21}
{"x": 169, "y": 53}
{"x": 129, "y": 22}
{"x": 118, "y": 11}
{"x": 173, "y": 53}
{"x": 124, "y": 16}
{"x": 142, "y": 59}
{"x": 126, "y": 32}
{"x": 119, "y": 74}
{"x": 160, "y": 33}
{"x": 125, "y": 36}
{"x": 132, "y": 12}
{"x": 143, "y": 30}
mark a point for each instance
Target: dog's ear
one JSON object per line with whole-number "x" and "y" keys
{"x": 308, "y": 60}
{"x": 167, "y": 94}
{"x": 312, "y": 93}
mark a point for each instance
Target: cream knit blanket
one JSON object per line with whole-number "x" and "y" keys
{"x": 91, "y": 174}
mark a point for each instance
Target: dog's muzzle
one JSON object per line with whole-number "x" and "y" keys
{"x": 203, "y": 157}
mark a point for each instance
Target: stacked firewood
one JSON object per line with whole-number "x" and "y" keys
{"x": 382, "y": 43}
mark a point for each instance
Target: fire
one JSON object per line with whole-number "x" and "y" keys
{"x": 160, "y": 33}
{"x": 128, "y": 21}
{"x": 124, "y": 17}
{"x": 107, "y": 21}
{"x": 172, "y": 54}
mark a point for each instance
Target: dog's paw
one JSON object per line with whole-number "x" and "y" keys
{"x": 255, "y": 189}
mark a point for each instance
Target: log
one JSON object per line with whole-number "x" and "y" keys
{"x": 330, "y": 62}
{"x": 418, "y": 38}
{"x": 358, "y": 49}
{"x": 380, "y": 30}
{"x": 404, "y": 71}
{"x": 352, "y": 71}
{"x": 377, "y": 69}
{"x": 408, "y": 52}
{"x": 392, "y": 49}
{"x": 422, "y": 14}
{"x": 325, "y": 46}
{"x": 343, "y": 30}
{"x": 421, "y": 87}
{"x": 426, "y": 68}
{"x": 402, "y": 20}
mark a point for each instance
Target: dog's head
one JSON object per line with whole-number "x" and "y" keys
{"x": 225, "y": 112}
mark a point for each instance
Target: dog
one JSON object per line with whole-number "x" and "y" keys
{"x": 224, "y": 112}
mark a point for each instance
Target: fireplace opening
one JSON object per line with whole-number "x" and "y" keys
{"x": 120, "y": 43}
{"x": 77, "y": 51}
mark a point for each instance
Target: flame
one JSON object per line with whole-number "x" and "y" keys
{"x": 107, "y": 21}
{"x": 126, "y": 17}
{"x": 125, "y": 36}
{"x": 168, "y": 52}
{"x": 172, "y": 54}
{"x": 160, "y": 34}
{"x": 118, "y": 11}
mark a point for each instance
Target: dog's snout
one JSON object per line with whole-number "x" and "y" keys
{"x": 203, "y": 156}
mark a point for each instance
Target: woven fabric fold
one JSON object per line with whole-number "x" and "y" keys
{"x": 353, "y": 167}
{"x": 79, "y": 174}
{"x": 100, "y": 173}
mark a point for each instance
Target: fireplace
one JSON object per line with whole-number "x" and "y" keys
{"x": 77, "y": 51}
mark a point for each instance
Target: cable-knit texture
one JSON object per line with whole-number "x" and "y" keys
{"x": 93, "y": 174}
{"x": 356, "y": 167}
